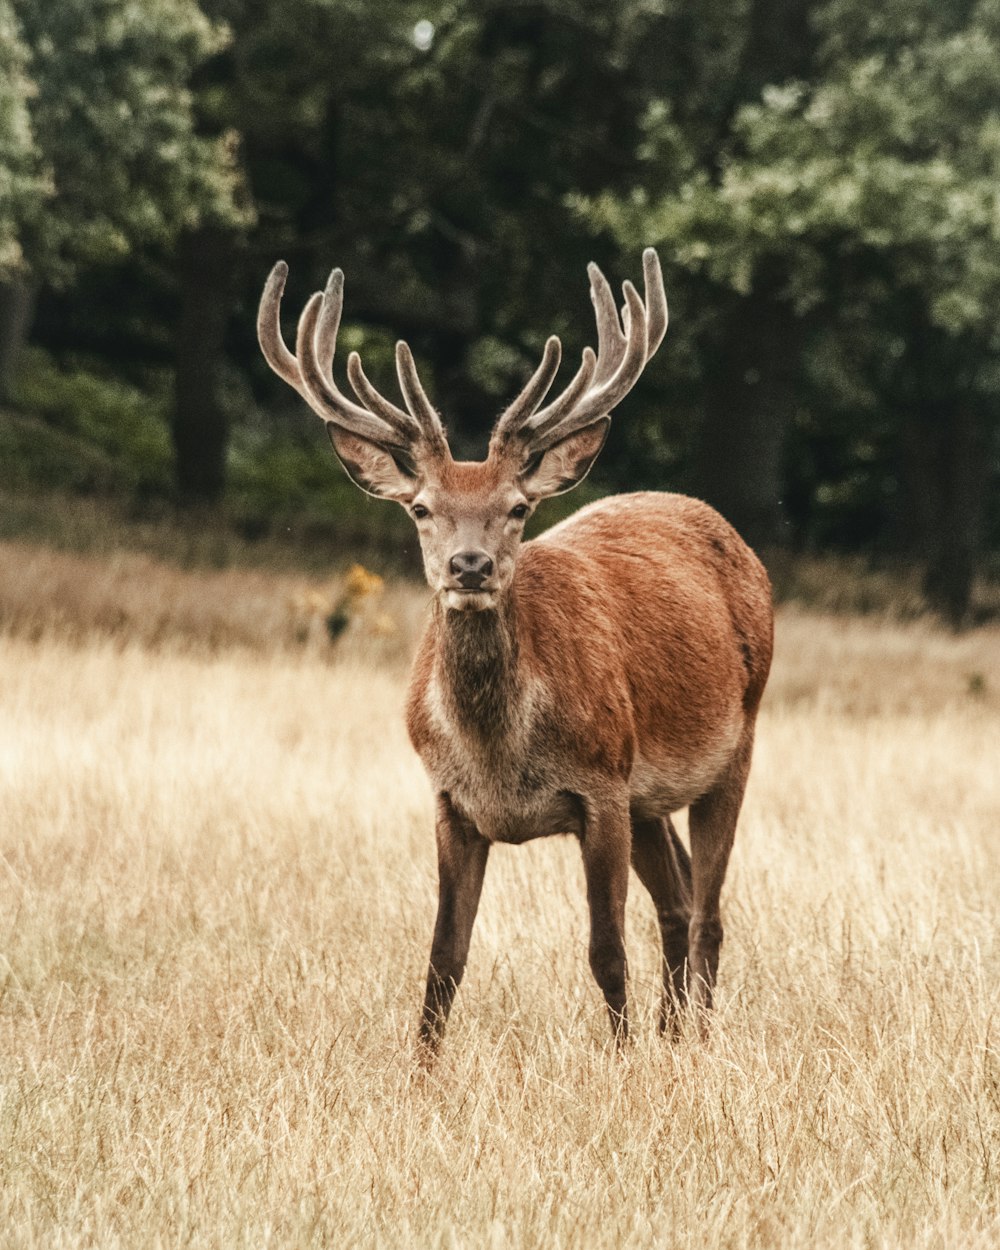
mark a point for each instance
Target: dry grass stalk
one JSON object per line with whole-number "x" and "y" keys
{"x": 217, "y": 888}
{"x": 132, "y": 598}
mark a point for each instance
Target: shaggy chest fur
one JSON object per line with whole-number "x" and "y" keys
{"x": 490, "y": 736}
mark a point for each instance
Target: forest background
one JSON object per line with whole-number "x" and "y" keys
{"x": 821, "y": 179}
{"x": 217, "y": 861}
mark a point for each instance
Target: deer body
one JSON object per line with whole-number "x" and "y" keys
{"x": 591, "y": 682}
{"x": 597, "y": 673}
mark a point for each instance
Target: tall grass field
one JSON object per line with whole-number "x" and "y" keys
{"x": 217, "y": 889}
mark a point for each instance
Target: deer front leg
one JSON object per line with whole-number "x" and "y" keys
{"x": 606, "y": 842}
{"x": 462, "y": 855}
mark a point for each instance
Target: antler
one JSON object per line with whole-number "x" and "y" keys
{"x": 603, "y": 380}
{"x": 310, "y": 371}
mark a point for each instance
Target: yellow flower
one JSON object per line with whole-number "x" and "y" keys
{"x": 359, "y": 583}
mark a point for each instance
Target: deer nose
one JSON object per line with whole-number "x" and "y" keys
{"x": 471, "y": 568}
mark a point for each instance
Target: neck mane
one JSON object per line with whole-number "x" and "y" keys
{"x": 478, "y": 668}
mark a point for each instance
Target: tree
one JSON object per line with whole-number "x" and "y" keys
{"x": 20, "y": 184}
{"x": 861, "y": 203}
{"x": 733, "y": 388}
{"x": 517, "y": 111}
{"x": 116, "y": 161}
{"x": 437, "y": 168}
{"x": 284, "y": 81}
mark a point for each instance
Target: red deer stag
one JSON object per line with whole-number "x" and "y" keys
{"x": 592, "y": 681}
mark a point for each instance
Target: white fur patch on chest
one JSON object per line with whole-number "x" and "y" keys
{"x": 508, "y": 790}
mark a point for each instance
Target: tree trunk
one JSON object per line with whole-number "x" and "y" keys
{"x": 17, "y": 309}
{"x": 200, "y": 428}
{"x": 954, "y": 479}
{"x": 739, "y": 460}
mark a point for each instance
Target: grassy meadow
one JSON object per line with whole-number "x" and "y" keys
{"x": 217, "y": 888}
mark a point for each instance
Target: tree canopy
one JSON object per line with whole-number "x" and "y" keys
{"x": 20, "y": 185}
{"x": 820, "y": 177}
{"x": 109, "y": 118}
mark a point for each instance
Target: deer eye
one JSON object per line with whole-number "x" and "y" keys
{"x": 419, "y": 511}
{"x": 519, "y": 511}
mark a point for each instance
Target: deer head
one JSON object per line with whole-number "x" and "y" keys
{"x": 469, "y": 515}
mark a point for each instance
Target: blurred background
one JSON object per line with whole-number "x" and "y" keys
{"x": 821, "y": 179}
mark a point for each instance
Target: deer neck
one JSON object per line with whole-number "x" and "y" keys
{"x": 479, "y": 669}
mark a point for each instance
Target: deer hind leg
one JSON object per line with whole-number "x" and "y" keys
{"x": 662, "y": 864}
{"x": 606, "y": 840}
{"x": 712, "y": 823}
{"x": 462, "y": 855}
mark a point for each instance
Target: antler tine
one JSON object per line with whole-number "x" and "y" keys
{"x": 636, "y": 355}
{"x": 310, "y": 370}
{"x": 269, "y": 335}
{"x": 629, "y": 352}
{"x": 563, "y": 405}
{"x": 560, "y": 418}
{"x": 325, "y": 346}
{"x": 416, "y": 398}
{"x": 328, "y": 326}
{"x": 624, "y": 347}
{"x": 371, "y": 398}
{"x": 657, "y": 317}
{"x": 517, "y": 414}
{"x": 538, "y": 384}
{"x": 324, "y": 397}
{"x": 611, "y": 342}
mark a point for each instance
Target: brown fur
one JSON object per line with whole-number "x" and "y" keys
{"x": 591, "y": 682}
{"x": 617, "y": 681}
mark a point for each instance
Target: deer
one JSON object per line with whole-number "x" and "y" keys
{"x": 593, "y": 681}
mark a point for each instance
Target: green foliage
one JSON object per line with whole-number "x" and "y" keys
{"x": 92, "y": 432}
{"x": 108, "y": 423}
{"x": 889, "y": 153}
{"x": 112, "y": 116}
{"x": 896, "y": 157}
{"x": 275, "y": 474}
{"x": 19, "y": 181}
{"x": 820, "y": 177}
{"x": 851, "y": 207}
{"x": 36, "y": 457}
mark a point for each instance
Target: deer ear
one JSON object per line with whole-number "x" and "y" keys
{"x": 565, "y": 463}
{"x": 380, "y": 471}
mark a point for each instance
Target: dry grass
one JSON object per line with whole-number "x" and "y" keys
{"x": 133, "y": 598}
{"x": 216, "y": 895}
